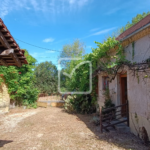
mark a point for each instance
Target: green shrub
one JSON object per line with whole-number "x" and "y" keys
{"x": 68, "y": 103}
{"x": 80, "y": 104}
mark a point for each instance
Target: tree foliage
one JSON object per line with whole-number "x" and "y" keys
{"x": 20, "y": 82}
{"x": 46, "y": 77}
{"x": 76, "y": 49}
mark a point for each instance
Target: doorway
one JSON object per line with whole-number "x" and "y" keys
{"x": 124, "y": 94}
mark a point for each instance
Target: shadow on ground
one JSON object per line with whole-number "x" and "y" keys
{"x": 3, "y": 142}
{"x": 124, "y": 140}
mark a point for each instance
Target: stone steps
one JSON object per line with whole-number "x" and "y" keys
{"x": 122, "y": 127}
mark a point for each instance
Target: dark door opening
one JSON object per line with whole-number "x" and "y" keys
{"x": 123, "y": 81}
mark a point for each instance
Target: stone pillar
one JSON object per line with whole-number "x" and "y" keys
{"x": 4, "y": 98}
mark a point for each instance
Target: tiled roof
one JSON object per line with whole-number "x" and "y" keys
{"x": 10, "y": 52}
{"x": 135, "y": 27}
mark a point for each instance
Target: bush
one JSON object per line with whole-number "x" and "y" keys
{"x": 68, "y": 103}
{"x": 80, "y": 104}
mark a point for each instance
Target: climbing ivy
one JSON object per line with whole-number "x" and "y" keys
{"x": 133, "y": 50}
{"x": 20, "y": 82}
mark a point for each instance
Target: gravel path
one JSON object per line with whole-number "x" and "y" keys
{"x": 53, "y": 129}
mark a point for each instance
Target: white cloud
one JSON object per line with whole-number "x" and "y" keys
{"x": 50, "y": 51}
{"x": 38, "y": 55}
{"x": 48, "y": 40}
{"x": 35, "y": 54}
{"x": 95, "y": 29}
{"x": 112, "y": 11}
{"x": 89, "y": 47}
{"x": 28, "y": 8}
{"x": 103, "y": 31}
{"x": 82, "y": 2}
{"x": 46, "y": 7}
{"x": 99, "y": 32}
{"x": 35, "y": 4}
{"x": 71, "y": 1}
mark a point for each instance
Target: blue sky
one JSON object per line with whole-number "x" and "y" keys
{"x": 54, "y": 23}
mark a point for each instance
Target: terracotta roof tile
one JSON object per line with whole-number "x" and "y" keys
{"x": 135, "y": 27}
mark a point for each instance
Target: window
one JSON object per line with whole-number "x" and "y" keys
{"x": 105, "y": 82}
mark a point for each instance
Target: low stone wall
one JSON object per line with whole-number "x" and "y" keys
{"x": 4, "y": 98}
{"x": 50, "y": 98}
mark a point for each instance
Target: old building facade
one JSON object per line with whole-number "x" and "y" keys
{"x": 130, "y": 86}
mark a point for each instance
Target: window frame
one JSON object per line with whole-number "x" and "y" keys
{"x": 105, "y": 83}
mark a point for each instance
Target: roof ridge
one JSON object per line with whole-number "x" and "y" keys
{"x": 135, "y": 27}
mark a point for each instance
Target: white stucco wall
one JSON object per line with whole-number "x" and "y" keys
{"x": 139, "y": 103}
{"x": 139, "y": 89}
{"x": 114, "y": 91}
{"x": 141, "y": 50}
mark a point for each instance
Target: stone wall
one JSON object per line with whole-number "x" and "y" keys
{"x": 4, "y": 98}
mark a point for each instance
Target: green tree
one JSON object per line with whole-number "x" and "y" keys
{"x": 46, "y": 77}
{"x": 76, "y": 49}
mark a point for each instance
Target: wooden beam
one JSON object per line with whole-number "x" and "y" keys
{"x": 10, "y": 39}
{"x": 7, "y": 52}
{"x": 4, "y": 41}
{"x": 19, "y": 53}
{"x": 12, "y": 61}
{"x": 16, "y": 49}
{"x": 15, "y": 58}
{"x": 7, "y": 35}
{"x": 13, "y": 44}
{"x": 3, "y": 62}
{"x": 4, "y": 30}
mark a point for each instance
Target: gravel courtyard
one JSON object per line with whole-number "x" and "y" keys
{"x": 53, "y": 129}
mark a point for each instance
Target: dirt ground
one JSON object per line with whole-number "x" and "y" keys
{"x": 53, "y": 129}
